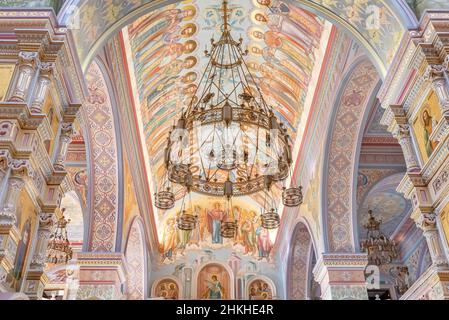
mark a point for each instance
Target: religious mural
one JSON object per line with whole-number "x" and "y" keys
{"x": 167, "y": 49}
{"x": 167, "y": 289}
{"x": 251, "y": 238}
{"x": 425, "y": 123}
{"x": 214, "y": 283}
{"x": 260, "y": 290}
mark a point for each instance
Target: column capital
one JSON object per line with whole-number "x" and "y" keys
{"x": 46, "y": 68}
{"x": 426, "y": 221}
{"x": 28, "y": 58}
{"x": 434, "y": 72}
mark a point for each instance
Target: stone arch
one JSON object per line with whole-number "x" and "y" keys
{"x": 104, "y": 158}
{"x": 91, "y": 33}
{"x": 300, "y": 266}
{"x": 341, "y": 155}
{"x": 135, "y": 255}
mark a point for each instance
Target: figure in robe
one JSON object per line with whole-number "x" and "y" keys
{"x": 264, "y": 244}
{"x": 195, "y": 236}
{"x": 427, "y": 120}
{"x": 183, "y": 237}
{"x": 249, "y": 235}
{"x": 215, "y": 290}
{"x": 215, "y": 217}
{"x": 168, "y": 246}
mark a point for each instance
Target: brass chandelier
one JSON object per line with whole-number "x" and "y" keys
{"x": 227, "y": 141}
{"x": 380, "y": 249}
{"x": 59, "y": 249}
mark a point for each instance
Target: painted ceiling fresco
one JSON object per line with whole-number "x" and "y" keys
{"x": 167, "y": 48}
{"x": 386, "y": 203}
{"x": 375, "y": 22}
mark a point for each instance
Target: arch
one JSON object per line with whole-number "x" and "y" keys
{"x": 75, "y": 229}
{"x": 135, "y": 255}
{"x": 157, "y": 282}
{"x": 299, "y": 263}
{"x": 104, "y": 168}
{"x": 341, "y": 156}
{"x": 265, "y": 279}
{"x": 231, "y": 294}
{"x": 91, "y": 33}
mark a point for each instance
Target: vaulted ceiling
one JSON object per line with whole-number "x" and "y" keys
{"x": 167, "y": 48}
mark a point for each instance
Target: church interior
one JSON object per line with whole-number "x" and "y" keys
{"x": 224, "y": 150}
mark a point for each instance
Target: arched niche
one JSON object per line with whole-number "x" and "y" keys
{"x": 167, "y": 284}
{"x": 136, "y": 262}
{"x": 300, "y": 264}
{"x": 73, "y": 211}
{"x": 260, "y": 288}
{"x": 204, "y": 276}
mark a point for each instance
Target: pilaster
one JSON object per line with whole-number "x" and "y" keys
{"x": 342, "y": 276}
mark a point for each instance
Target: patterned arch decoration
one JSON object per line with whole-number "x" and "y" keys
{"x": 103, "y": 159}
{"x": 135, "y": 261}
{"x": 299, "y": 266}
{"x": 377, "y": 24}
{"x": 342, "y": 152}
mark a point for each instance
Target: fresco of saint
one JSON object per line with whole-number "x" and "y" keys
{"x": 215, "y": 216}
{"x": 264, "y": 244}
{"x": 168, "y": 246}
{"x": 428, "y": 124}
{"x": 215, "y": 290}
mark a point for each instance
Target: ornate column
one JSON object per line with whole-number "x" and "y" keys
{"x": 43, "y": 84}
{"x": 427, "y": 222}
{"x": 64, "y": 140}
{"x": 25, "y": 73}
{"x": 36, "y": 278}
{"x": 402, "y": 133}
{"x": 9, "y": 235}
{"x": 342, "y": 276}
{"x": 436, "y": 73}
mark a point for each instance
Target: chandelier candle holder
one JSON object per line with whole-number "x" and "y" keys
{"x": 228, "y": 228}
{"x": 227, "y": 139}
{"x": 380, "y": 249}
{"x": 187, "y": 221}
{"x": 270, "y": 218}
{"x": 165, "y": 198}
{"x": 292, "y": 197}
{"x": 59, "y": 249}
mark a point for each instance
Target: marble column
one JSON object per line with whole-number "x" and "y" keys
{"x": 427, "y": 223}
{"x": 36, "y": 278}
{"x": 342, "y": 276}
{"x": 402, "y": 133}
{"x": 45, "y": 70}
{"x": 26, "y": 70}
{"x": 437, "y": 75}
{"x": 64, "y": 140}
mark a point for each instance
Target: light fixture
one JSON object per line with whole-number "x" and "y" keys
{"x": 380, "y": 249}
{"x": 228, "y": 140}
{"x": 59, "y": 249}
